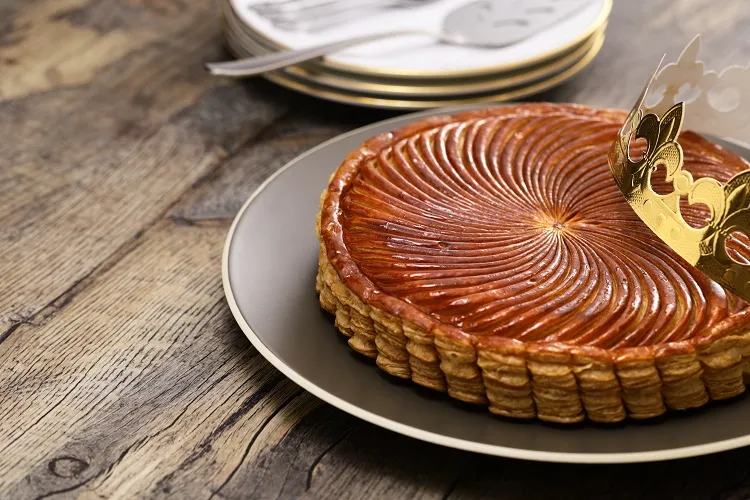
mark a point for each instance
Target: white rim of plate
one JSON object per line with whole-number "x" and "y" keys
{"x": 340, "y": 82}
{"x": 414, "y": 432}
{"x": 601, "y": 19}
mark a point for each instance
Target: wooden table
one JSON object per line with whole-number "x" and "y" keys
{"x": 123, "y": 374}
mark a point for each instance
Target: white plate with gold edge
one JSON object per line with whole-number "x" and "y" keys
{"x": 415, "y": 88}
{"x": 422, "y": 57}
{"x": 256, "y": 46}
{"x": 268, "y": 270}
{"x": 407, "y": 102}
{"x": 428, "y": 92}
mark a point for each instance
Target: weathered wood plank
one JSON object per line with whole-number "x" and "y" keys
{"x": 89, "y": 165}
{"x": 132, "y": 374}
{"x": 281, "y": 142}
{"x": 121, "y": 336}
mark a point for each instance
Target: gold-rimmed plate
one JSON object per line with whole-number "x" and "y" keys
{"x": 245, "y": 46}
{"x": 420, "y": 57}
{"x": 268, "y": 269}
{"x": 407, "y": 102}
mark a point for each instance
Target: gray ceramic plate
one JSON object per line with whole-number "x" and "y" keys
{"x": 269, "y": 266}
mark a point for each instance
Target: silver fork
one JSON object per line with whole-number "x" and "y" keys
{"x": 315, "y": 15}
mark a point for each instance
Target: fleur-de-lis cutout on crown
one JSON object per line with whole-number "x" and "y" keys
{"x": 729, "y": 204}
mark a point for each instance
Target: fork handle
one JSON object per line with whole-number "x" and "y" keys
{"x": 252, "y": 66}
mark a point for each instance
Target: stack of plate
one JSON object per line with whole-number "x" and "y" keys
{"x": 416, "y": 72}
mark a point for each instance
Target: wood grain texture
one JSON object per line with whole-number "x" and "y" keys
{"x": 123, "y": 373}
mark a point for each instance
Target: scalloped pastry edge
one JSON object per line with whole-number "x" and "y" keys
{"x": 519, "y": 382}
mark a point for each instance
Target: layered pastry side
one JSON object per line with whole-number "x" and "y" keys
{"x": 490, "y": 254}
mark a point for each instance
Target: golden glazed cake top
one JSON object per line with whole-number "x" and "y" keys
{"x": 505, "y": 226}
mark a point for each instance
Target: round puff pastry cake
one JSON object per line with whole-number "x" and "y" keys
{"x": 490, "y": 254}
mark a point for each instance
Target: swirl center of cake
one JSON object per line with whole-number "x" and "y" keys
{"x": 513, "y": 226}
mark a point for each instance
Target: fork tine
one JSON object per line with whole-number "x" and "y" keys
{"x": 307, "y": 15}
{"x": 290, "y": 6}
{"x": 324, "y": 19}
{"x": 318, "y": 13}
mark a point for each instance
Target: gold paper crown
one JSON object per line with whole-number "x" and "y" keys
{"x": 660, "y": 125}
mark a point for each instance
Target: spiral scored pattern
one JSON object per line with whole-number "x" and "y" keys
{"x": 506, "y": 225}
